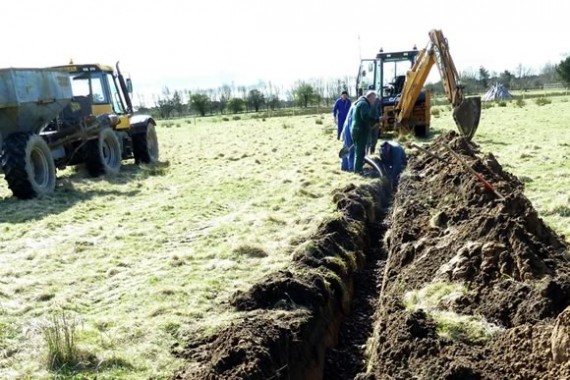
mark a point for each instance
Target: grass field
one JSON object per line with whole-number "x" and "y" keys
{"x": 151, "y": 255}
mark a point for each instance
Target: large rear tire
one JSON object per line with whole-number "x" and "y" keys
{"x": 104, "y": 154}
{"x": 145, "y": 145}
{"x": 28, "y": 165}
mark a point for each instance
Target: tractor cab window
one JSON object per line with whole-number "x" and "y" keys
{"x": 89, "y": 84}
{"x": 116, "y": 100}
{"x": 395, "y": 76}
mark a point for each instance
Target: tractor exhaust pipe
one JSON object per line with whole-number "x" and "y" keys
{"x": 124, "y": 89}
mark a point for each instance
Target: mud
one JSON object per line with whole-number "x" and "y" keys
{"x": 291, "y": 317}
{"x": 447, "y": 227}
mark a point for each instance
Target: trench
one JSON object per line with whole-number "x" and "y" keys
{"x": 348, "y": 358}
{"x": 310, "y": 320}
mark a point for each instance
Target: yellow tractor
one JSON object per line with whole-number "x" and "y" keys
{"x": 99, "y": 90}
{"x": 405, "y": 106}
{"x": 51, "y": 118}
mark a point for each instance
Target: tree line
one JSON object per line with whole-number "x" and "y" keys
{"x": 232, "y": 99}
{"x": 522, "y": 78}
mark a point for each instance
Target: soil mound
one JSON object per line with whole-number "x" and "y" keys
{"x": 293, "y": 315}
{"x": 507, "y": 276}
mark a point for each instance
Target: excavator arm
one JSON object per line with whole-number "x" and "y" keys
{"x": 466, "y": 111}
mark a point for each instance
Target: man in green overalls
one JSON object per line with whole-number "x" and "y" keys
{"x": 362, "y": 119}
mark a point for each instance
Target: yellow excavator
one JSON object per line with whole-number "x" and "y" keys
{"x": 405, "y": 106}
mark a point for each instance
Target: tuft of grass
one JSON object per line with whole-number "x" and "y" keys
{"x": 520, "y": 103}
{"x": 319, "y": 121}
{"x": 561, "y": 210}
{"x": 252, "y": 251}
{"x": 225, "y": 119}
{"x": 236, "y": 118}
{"x": 435, "y": 112}
{"x": 542, "y": 101}
{"x": 464, "y": 328}
{"x": 502, "y": 103}
{"x": 435, "y": 299}
{"x": 167, "y": 124}
{"x": 487, "y": 105}
{"x": 59, "y": 333}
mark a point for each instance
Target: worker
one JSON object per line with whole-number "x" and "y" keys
{"x": 362, "y": 119}
{"x": 340, "y": 110}
{"x": 347, "y": 152}
{"x": 394, "y": 160}
{"x": 375, "y": 129}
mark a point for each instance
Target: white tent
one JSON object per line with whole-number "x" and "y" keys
{"x": 496, "y": 92}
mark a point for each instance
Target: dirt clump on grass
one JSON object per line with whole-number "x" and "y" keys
{"x": 473, "y": 285}
{"x": 290, "y": 317}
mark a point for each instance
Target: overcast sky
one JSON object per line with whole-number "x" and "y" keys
{"x": 198, "y": 43}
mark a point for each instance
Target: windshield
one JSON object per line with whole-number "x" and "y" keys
{"x": 89, "y": 84}
{"x": 394, "y": 77}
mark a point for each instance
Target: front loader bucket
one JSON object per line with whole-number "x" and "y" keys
{"x": 467, "y": 115}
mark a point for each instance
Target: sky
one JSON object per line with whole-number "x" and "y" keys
{"x": 199, "y": 44}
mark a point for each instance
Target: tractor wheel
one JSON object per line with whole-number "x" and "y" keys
{"x": 28, "y": 165}
{"x": 103, "y": 154}
{"x": 145, "y": 146}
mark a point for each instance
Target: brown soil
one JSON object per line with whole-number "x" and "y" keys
{"x": 347, "y": 358}
{"x": 292, "y": 316}
{"x": 447, "y": 227}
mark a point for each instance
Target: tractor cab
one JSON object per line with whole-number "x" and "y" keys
{"x": 386, "y": 73}
{"x": 102, "y": 90}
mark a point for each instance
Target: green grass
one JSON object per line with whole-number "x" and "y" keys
{"x": 435, "y": 298}
{"x": 532, "y": 142}
{"x": 153, "y": 254}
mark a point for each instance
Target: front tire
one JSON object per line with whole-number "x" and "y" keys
{"x": 145, "y": 145}
{"x": 104, "y": 154}
{"x": 28, "y": 165}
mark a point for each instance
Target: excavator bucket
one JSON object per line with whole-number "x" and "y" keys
{"x": 467, "y": 115}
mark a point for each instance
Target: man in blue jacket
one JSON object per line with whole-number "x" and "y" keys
{"x": 394, "y": 159}
{"x": 340, "y": 110}
{"x": 347, "y": 152}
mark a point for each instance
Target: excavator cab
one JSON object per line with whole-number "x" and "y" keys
{"x": 399, "y": 78}
{"x": 387, "y": 75}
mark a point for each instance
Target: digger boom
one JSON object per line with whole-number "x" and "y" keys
{"x": 466, "y": 111}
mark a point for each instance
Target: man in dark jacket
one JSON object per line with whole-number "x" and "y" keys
{"x": 362, "y": 120}
{"x": 340, "y": 110}
{"x": 394, "y": 158}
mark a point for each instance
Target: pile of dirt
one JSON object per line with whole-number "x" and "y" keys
{"x": 293, "y": 315}
{"x": 515, "y": 271}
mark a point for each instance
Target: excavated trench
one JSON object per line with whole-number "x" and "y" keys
{"x": 294, "y": 315}
{"x": 449, "y": 282}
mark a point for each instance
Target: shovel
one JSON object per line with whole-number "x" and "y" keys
{"x": 412, "y": 145}
{"x": 486, "y": 184}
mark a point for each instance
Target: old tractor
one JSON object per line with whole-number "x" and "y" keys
{"x": 51, "y": 118}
